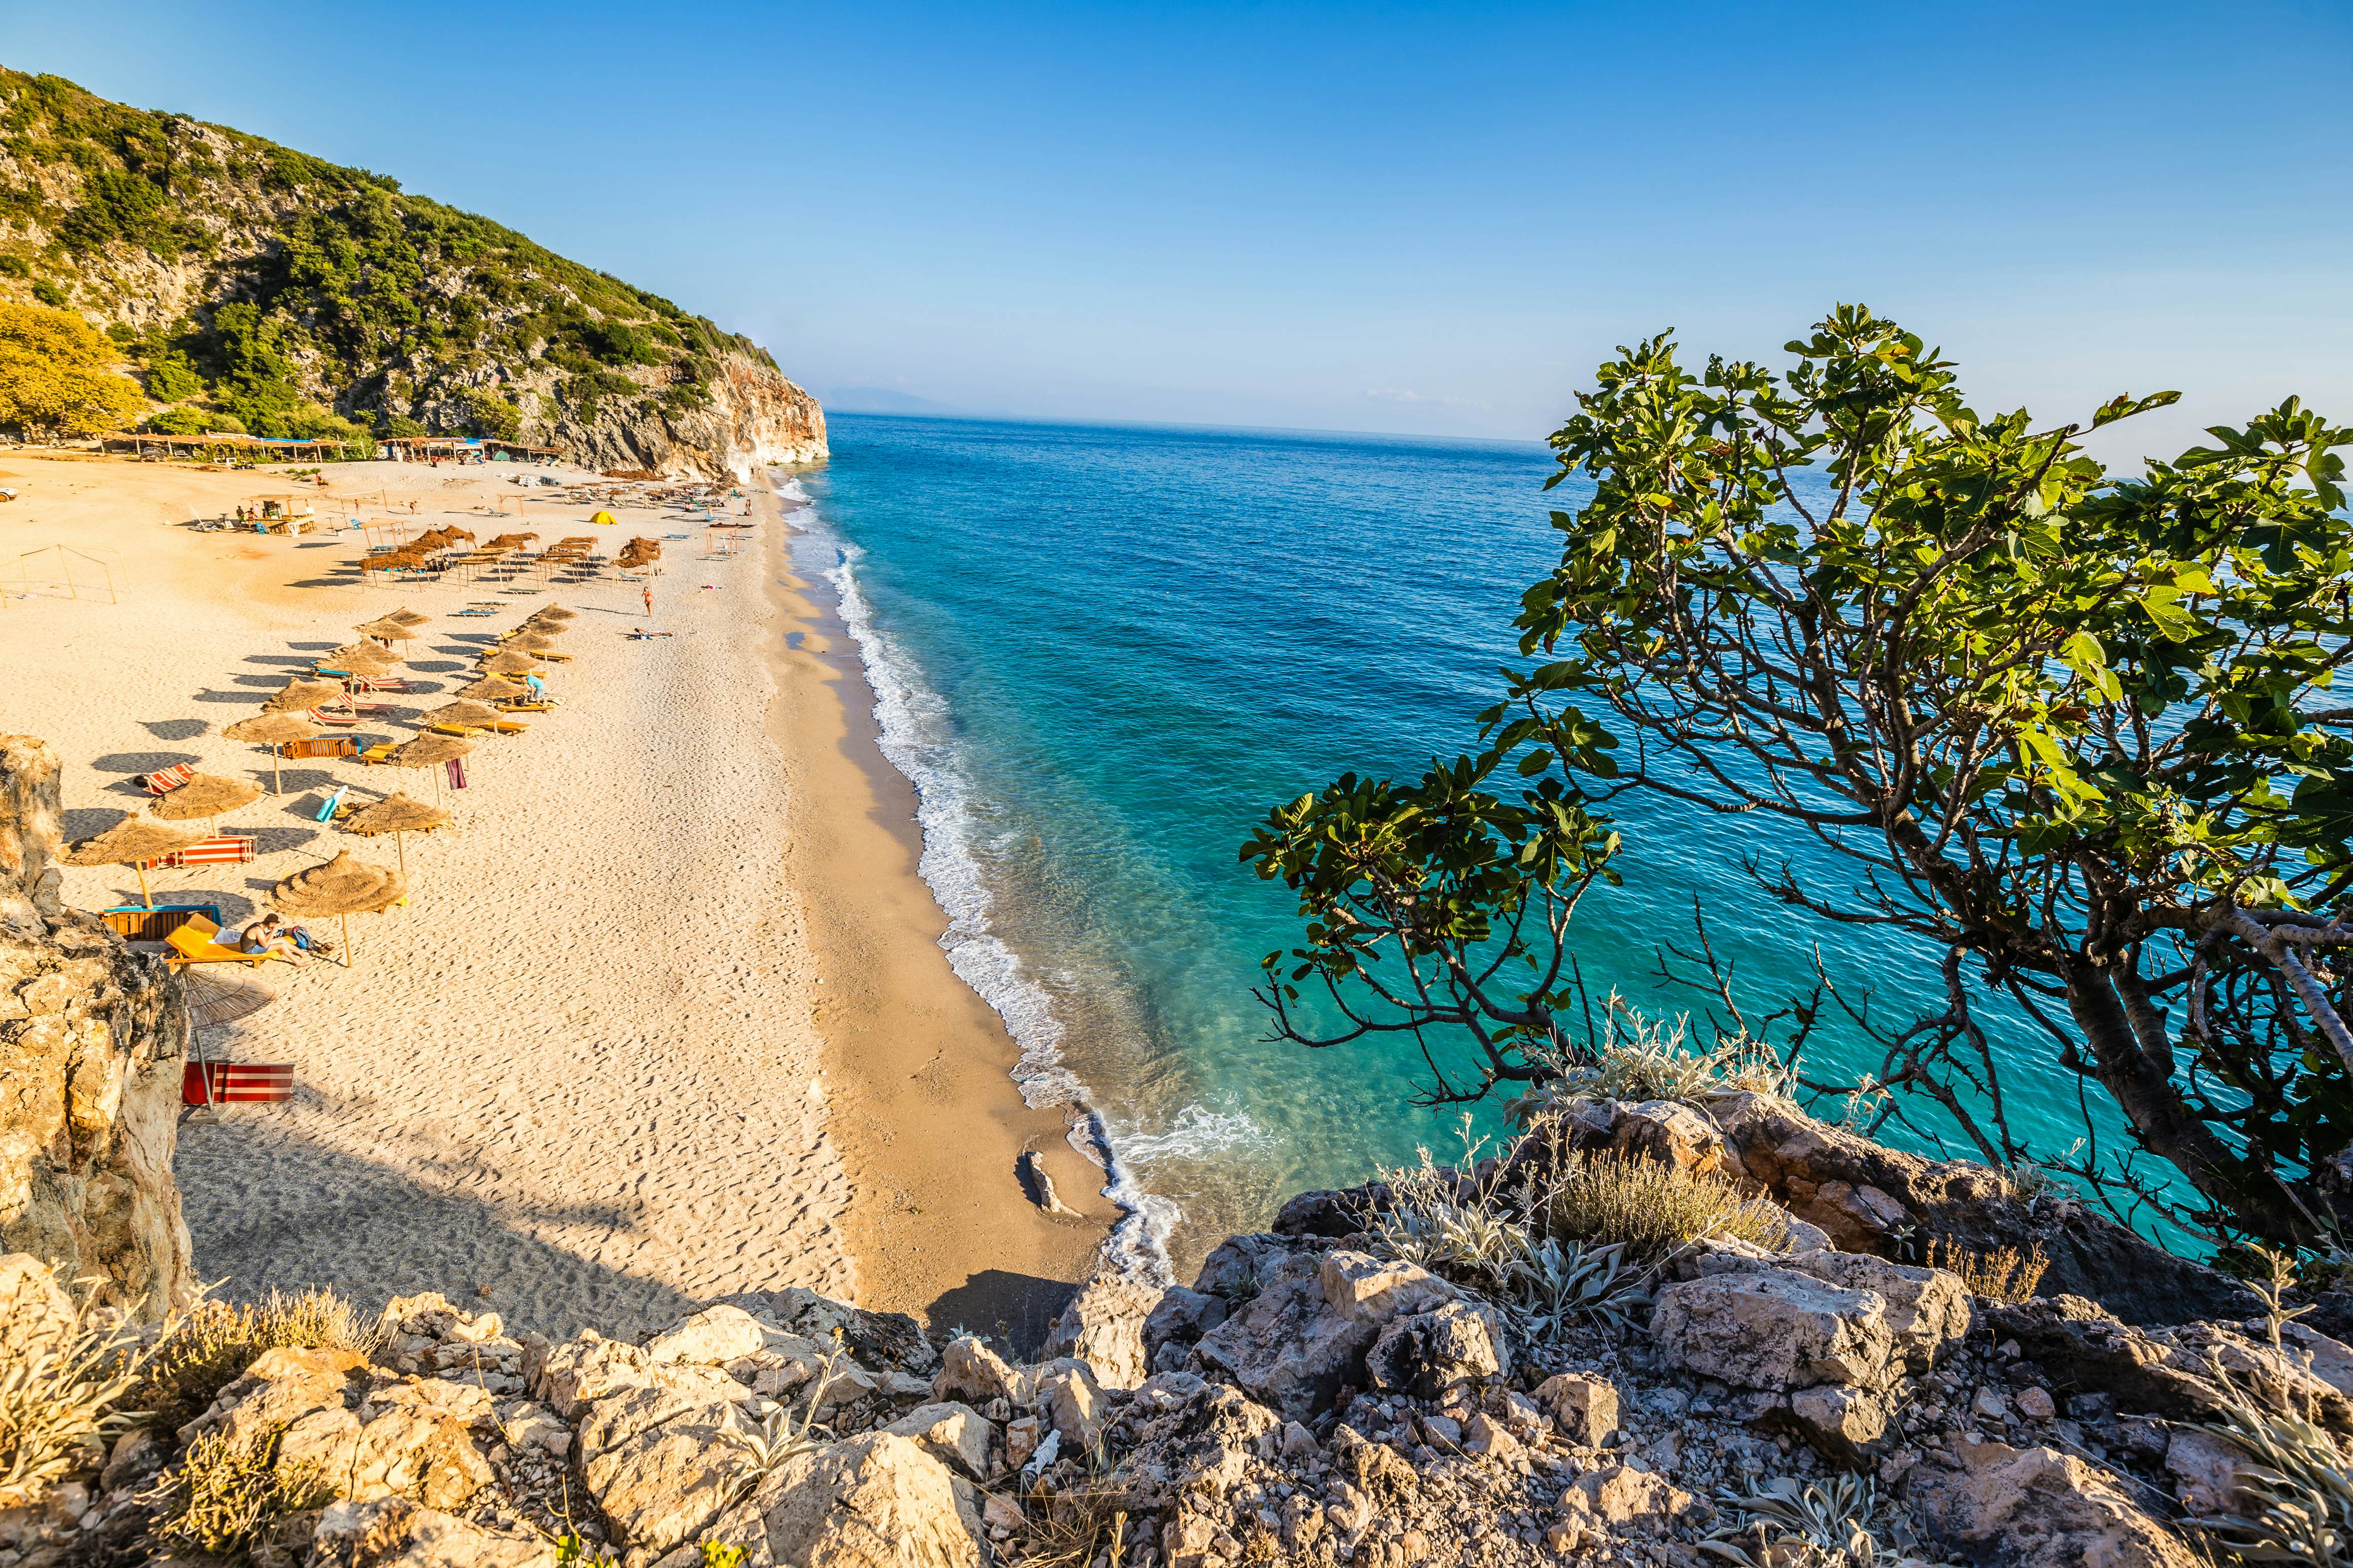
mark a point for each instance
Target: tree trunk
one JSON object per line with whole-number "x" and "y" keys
{"x": 2252, "y": 1198}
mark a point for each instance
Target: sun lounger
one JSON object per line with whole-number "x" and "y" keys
{"x": 227, "y": 849}
{"x": 235, "y": 1083}
{"x": 169, "y": 779}
{"x": 327, "y": 809}
{"x": 134, "y": 922}
{"x": 192, "y": 942}
{"x": 342, "y": 718}
{"x": 378, "y": 683}
{"x": 462, "y": 732}
{"x": 379, "y": 753}
{"x": 473, "y": 612}
{"x": 324, "y": 746}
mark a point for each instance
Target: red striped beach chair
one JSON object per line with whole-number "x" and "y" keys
{"x": 343, "y": 718}
{"x": 227, "y": 849}
{"x": 169, "y": 779}
{"x": 237, "y": 1083}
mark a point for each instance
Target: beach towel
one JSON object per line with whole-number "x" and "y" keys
{"x": 456, "y": 770}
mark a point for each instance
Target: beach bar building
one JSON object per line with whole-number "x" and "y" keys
{"x": 153, "y": 446}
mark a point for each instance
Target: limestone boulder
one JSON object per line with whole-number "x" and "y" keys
{"x": 713, "y": 1337}
{"x": 1306, "y": 1334}
{"x": 957, "y": 1435}
{"x": 1183, "y": 1437}
{"x": 972, "y": 1373}
{"x": 1775, "y": 1329}
{"x": 1103, "y": 1325}
{"x": 878, "y": 1501}
{"x": 1430, "y": 1352}
{"x": 1583, "y": 1408}
{"x": 395, "y": 1532}
{"x": 2036, "y": 1508}
{"x": 658, "y": 1459}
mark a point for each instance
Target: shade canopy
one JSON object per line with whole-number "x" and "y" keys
{"x": 539, "y": 629}
{"x": 494, "y": 688}
{"x": 554, "y": 613}
{"x": 343, "y": 886}
{"x": 531, "y": 642}
{"x": 272, "y": 729}
{"x": 506, "y": 662}
{"x": 205, "y": 796}
{"x": 390, "y": 629}
{"x": 216, "y": 998}
{"x": 361, "y": 655}
{"x": 408, "y": 618}
{"x": 462, "y": 713}
{"x": 134, "y": 841}
{"x": 397, "y": 813}
{"x": 298, "y": 695}
{"x": 428, "y": 750}
{"x": 602, "y": 519}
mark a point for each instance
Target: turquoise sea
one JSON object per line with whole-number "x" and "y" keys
{"x": 1102, "y": 653}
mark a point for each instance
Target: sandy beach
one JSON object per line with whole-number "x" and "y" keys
{"x": 665, "y": 1018}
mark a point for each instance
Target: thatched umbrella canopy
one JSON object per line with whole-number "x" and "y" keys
{"x": 340, "y": 889}
{"x": 429, "y": 752}
{"x": 507, "y": 662}
{"x": 389, "y": 630}
{"x": 400, "y": 817}
{"x": 134, "y": 841}
{"x": 531, "y": 642}
{"x": 361, "y": 658}
{"x": 407, "y": 618}
{"x": 540, "y": 629}
{"x": 205, "y": 796}
{"x": 298, "y": 696}
{"x": 554, "y": 613}
{"x": 273, "y": 730}
{"x": 451, "y": 530}
{"x": 215, "y": 999}
{"x": 470, "y": 713}
{"x": 494, "y": 688}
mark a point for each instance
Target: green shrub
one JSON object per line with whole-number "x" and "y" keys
{"x": 49, "y": 294}
{"x": 171, "y": 379}
{"x": 56, "y": 1405}
{"x": 1653, "y": 1208}
{"x": 179, "y": 420}
{"x": 217, "y": 1342}
{"x": 388, "y": 425}
{"x": 492, "y": 415}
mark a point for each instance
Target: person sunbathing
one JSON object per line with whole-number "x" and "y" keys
{"x": 271, "y": 935}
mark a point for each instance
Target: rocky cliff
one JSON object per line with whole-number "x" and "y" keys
{"x": 91, "y": 1041}
{"x": 252, "y": 286}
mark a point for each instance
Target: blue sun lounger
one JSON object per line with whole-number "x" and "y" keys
{"x": 327, "y": 812}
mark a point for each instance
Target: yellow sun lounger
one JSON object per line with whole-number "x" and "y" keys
{"x": 193, "y": 943}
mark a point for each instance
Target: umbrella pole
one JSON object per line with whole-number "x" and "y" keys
{"x": 145, "y": 896}
{"x": 275, "y": 753}
{"x": 347, "y": 941}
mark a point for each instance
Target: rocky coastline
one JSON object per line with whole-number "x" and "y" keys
{"x": 1314, "y": 1396}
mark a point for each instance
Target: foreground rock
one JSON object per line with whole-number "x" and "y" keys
{"x": 92, "y": 1036}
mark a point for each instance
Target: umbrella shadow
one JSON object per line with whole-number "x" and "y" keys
{"x": 271, "y": 840}
{"x": 263, "y": 681}
{"x": 174, "y": 729}
{"x": 90, "y": 821}
{"x": 141, "y": 762}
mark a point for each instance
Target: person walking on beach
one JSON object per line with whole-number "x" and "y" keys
{"x": 649, "y": 600}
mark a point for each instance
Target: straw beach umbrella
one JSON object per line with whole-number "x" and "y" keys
{"x": 400, "y": 817}
{"x": 299, "y": 696}
{"x": 389, "y": 630}
{"x": 362, "y": 657}
{"x": 494, "y": 688}
{"x": 273, "y": 730}
{"x": 508, "y": 662}
{"x": 530, "y": 642}
{"x": 338, "y": 890}
{"x": 554, "y": 613}
{"x": 429, "y": 752}
{"x": 205, "y": 796}
{"x": 473, "y": 715}
{"x": 215, "y": 999}
{"x": 134, "y": 842}
{"x": 409, "y": 617}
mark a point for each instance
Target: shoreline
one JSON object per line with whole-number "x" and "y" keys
{"x": 921, "y": 1096}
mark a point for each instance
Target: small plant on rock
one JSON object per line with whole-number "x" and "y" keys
{"x": 1835, "y": 1522}
{"x": 215, "y": 1342}
{"x": 2005, "y": 1274}
{"x": 1070, "y": 1527}
{"x": 1557, "y": 1285}
{"x": 1654, "y": 1208}
{"x": 57, "y": 1403}
{"x": 224, "y": 1497}
{"x": 2295, "y": 1500}
{"x": 780, "y": 1437}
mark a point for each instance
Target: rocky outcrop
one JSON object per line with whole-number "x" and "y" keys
{"x": 754, "y": 417}
{"x": 2036, "y": 1508}
{"x": 92, "y": 1037}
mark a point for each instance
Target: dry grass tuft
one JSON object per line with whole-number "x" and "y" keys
{"x": 2005, "y": 1275}
{"x": 224, "y": 1498}
{"x": 1069, "y": 1528}
{"x": 56, "y": 1402}
{"x": 217, "y": 1341}
{"x": 1653, "y": 1208}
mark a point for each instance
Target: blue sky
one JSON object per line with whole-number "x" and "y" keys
{"x": 1368, "y": 218}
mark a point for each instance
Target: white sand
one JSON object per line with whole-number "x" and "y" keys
{"x": 579, "y": 1071}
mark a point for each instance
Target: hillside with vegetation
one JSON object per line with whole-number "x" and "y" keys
{"x": 248, "y": 286}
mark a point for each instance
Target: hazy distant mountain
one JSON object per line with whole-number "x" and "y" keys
{"x": 882, "y": 400}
